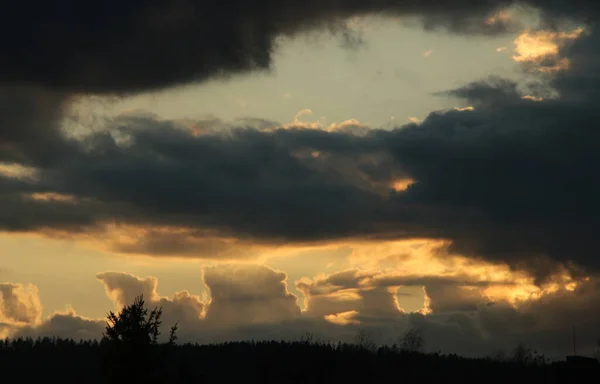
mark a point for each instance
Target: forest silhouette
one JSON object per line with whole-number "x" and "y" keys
{"x": 130, "y": 352}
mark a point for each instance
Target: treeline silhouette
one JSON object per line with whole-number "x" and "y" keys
{"x": 130, "y": 352}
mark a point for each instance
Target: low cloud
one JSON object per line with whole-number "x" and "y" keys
{"x": 19, "y": 304}
{"x": 248, "y": 294}
{"x": 252, "y": 302}
{"x": 64, "y": 324}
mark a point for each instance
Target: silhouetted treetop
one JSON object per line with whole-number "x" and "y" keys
{"x": 134, "y": 325}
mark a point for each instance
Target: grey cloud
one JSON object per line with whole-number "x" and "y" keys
{"x": 511, "y": 181}
{"x": 186, "y": 243}
{"x": 495, "y": 90}
{"x": 390, "y": 280}
{"x": 374, "y": 295}
{"x": 29, "y": 124}
{"x": 481, "y": 180}
{"x": 347, "y": 291}
{"x": 248, "y": 294}
{"x": 444, "y": 298}
{"x": 64, "y": 325}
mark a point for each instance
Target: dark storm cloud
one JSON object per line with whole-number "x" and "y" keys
{"x": 511, "y": 181}
{"x": 249, "y": 178}
{"x": 113, "y": 46}
{"x": 29, "y": 118}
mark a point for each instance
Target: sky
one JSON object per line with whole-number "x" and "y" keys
{"x": 265, "y": 169}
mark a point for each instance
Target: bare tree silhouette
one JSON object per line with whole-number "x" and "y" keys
{"x": 526, "y": 356}
{"x": 412, "y": 341}
{"x": 365, "y": 341}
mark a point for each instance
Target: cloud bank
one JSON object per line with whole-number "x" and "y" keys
{"x": 509, "y": 180}
{"x": 252, "y": 302}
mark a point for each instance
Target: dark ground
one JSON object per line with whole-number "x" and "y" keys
{"x": 67, "y": 361}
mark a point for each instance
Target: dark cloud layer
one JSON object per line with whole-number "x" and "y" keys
{"x": 111, "y": 46}
{"x": 512, "y": 180}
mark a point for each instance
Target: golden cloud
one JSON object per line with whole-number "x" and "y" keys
{"x": 500, "y": 17}
{"x": 462, "y": 109}
{"x": 18, "y": 171}
{"x": 532, "y": 98}
{"x": 404, "y": 261}
{"x": 402, "y": 185}
{"x": 343, "y": 318}
{"x": 53, "y": 197}
{"x": 541, "y": 48}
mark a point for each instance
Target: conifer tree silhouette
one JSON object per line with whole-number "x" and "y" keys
{"x": 132, "y": 351}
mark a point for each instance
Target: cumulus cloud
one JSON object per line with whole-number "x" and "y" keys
{"x": 240, "y": 295}
{"x": 251, "y": 294}
{"x": 64, "y": 324}
{"x": 252, "y": 302}
{"x": 19, "y": 304}
{"x": 182, "y": 308}
{"x": 21, "y": 315}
